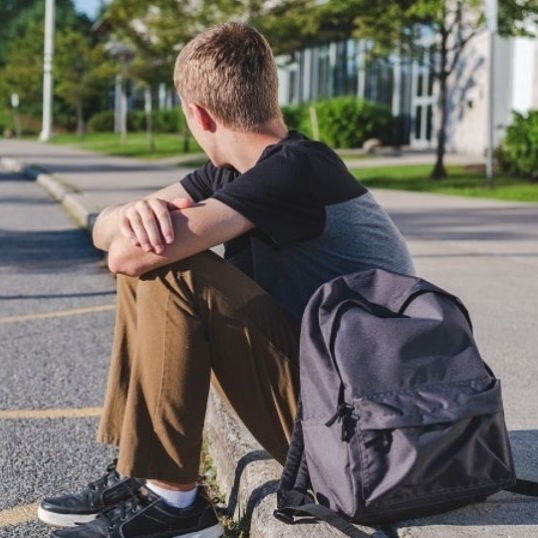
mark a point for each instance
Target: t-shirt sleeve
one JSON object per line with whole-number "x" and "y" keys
{"x": 202, "y": 183}
{"x": 276, "y": 196}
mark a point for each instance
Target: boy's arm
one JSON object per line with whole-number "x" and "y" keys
{"x": 195, "y": 229}
{"x": 145, "y": 222}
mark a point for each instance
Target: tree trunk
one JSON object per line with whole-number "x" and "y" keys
{"x": 439, "y": 170}
{"x": 81, "y": 127}
{"x": 148, "y": 107}
{"x": 186, "y": 139}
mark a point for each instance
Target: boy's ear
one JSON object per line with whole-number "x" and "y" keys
{"x": 202, "y": 116}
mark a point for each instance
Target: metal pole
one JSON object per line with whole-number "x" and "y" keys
{"x": 46, "y": 131}
{"x": 123, "y": 102}
{"x": 117, "y": 104}
{"x": 491, "y": 15}
{"x": 16, "y": 122}
{"x": 491, "y": 111}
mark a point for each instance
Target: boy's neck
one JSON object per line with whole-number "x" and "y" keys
{"x": 243, "y": 150}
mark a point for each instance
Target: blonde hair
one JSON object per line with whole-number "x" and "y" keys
{"x": 230, "y": 70}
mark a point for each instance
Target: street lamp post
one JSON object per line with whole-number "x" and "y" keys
{"x": 46, "y": 131}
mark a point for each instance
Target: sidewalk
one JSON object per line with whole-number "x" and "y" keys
{"x": 482, "y": 250}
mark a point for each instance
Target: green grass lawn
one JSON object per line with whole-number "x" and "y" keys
{"x": 461, "y": 182}
{"x": 136, "y": 145}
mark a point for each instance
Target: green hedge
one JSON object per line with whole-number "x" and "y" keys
{"x": 518, "y": 152}
{"x": 169, "y": 121}
{"x": 343, "y": 122}
{"x": 6, "y": 122}
{"x": 164, "y": 121}
{"x": 101, "y": 122}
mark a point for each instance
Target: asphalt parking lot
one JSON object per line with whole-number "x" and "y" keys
{"x": 56, "y": 319}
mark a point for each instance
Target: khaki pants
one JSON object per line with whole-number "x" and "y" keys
{"x": 176, "y": 328}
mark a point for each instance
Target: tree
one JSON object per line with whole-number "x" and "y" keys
{"x": 10, "y": 11}
{"x": 396, "y": 24}
{"x": 23, "y": 73}
{"x": 21, "y": 50}
{"x": 156, "y": 31}
{"x": 288, "y": 24}
{"x": 81, "y": 70}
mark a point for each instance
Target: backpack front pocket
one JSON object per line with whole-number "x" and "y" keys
{"x": 431, "y": 444}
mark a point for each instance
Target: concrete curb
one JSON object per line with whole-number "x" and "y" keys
{"x": 245, "y": 472}
{"x": 251, "y": 477}
{"x": 75, "y": 203}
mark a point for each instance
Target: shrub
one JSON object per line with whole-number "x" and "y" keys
{"x": 169, "y": 120}
{"x": 5, "y": 122}
{"x": 136, "y": 121}
{"x": 518, "y": 153}
{"x": 164, "y": 121}
{"x": 295, "y": 117}
{"x": 347, "y": 122}
{"x": 102, "y": 122}
{"x": 343, "y": 122}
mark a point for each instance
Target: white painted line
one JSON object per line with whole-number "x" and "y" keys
{"x": 19, "y": 514}
{"x": 57, "y": 314}
{"x": 82, "y": 412}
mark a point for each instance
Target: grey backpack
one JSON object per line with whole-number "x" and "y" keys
{"x": 399, "y": 415}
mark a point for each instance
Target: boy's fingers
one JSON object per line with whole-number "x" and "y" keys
{"x": 127, "y": 231}
{"x": 159, "y": 222}
{"x": 147, "y": 223}
{"x": 138, "y": 226}
{"x": 135, "y": 231}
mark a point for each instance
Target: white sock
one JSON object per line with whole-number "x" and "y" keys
{"x": 178, "y": 499}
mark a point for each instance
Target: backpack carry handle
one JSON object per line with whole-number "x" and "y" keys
{"x": 436, "y": 291}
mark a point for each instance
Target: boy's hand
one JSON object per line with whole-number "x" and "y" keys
{"x": 147, "y": 223}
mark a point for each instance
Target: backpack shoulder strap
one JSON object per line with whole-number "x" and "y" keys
{"x": 287, "y": 511}
{"x": 525, "y": 487}
{"x": 295, "y": 472}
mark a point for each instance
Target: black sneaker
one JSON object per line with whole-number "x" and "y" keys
{"x": 146, "y": 515}
{"x": 74, "y": 509}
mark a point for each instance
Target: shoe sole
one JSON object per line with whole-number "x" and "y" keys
{"x": 63, "y": 520}
{"x": 211, "y": 532}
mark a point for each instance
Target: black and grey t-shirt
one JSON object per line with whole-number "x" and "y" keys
{"x": 314, "y": 221}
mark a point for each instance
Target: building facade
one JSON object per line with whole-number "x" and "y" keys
{"x": 407, "y": 85}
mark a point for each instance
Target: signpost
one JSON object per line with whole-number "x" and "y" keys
{"x": 15, "y": 105}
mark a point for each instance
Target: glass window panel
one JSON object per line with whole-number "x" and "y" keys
{"x": 418, "y": 122}
{"x": 420, "y": 83}
{"x": 429, "y": 115}
{"x": 430, "y": 84}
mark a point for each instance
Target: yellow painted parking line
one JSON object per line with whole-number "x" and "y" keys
{"x": 19, "y": 514}
{"x": 58, "y": 314}
{"x": 83, "y": 412}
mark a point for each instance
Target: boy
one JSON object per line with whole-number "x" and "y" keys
{"x": 291, "y": 217}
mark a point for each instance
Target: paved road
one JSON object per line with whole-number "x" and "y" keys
{"x": 56, "y": 318}
{"x": 484, "y": 251}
